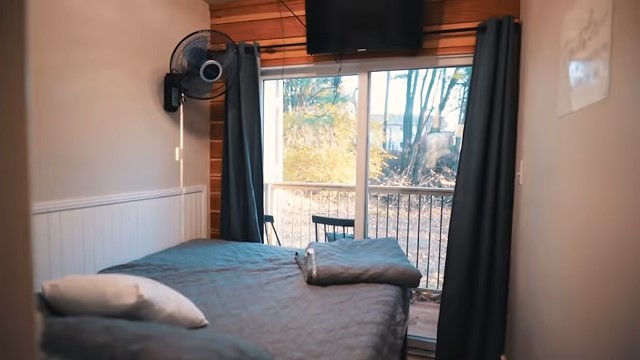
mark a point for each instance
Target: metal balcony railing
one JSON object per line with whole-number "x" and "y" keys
{"x": 417, "y": 217}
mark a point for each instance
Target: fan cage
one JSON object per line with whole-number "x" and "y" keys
{"x": 211, "y": 41}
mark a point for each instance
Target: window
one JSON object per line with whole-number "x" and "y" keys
{"x": 416, "y": 119}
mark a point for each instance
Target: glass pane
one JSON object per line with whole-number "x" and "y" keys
{"x": 310, "y": 131}
{"x": 416, "y": 122}
{"x": 319, "y": 127}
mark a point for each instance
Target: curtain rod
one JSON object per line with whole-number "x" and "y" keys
{"x": 272, "y": 48}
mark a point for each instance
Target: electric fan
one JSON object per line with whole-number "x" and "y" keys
{"x": 203, "y": 66}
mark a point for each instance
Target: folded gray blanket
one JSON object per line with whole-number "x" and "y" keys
{"x": 357, "y": 261}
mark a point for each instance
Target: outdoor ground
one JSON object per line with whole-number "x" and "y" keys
{"x": 423, "y": 319}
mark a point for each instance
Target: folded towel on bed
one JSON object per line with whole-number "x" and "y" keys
{"x": 357, "y": 261}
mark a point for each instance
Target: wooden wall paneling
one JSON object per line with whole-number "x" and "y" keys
{"x": 216, "y": 149}
{"x": 215, "y": 219}
{"x": 217, "y": 128}
{"x": 248, "y": 10}
{"x": 439, "y": 12}
{"x": 436, "y": 12}
{"x": 216, "y": 167}
{"x": 217, "y": 111}
{"x": 430, "y": 44}
{"x": 270, "y": 23}
{"x": 257, "y": 30}
{"x": 217, "y": 135}
{"x": 215, "y": 200}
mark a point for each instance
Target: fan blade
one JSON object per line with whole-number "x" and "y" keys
{"x": 195, "y": 56}
{"x": 225, "y": 58}
{"x": 194, "y": 86}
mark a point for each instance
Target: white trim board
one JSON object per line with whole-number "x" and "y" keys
{"x": 73, "y": 204}
{"x": 82, "y": 236}
{"x": 354, "y": 67}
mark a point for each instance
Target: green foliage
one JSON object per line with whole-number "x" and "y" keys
{"x": 320, "y": 130}
{"x": 379, "y": 157}
{"x": 307, "y": 94}
{"x": 320, "y": 149}
{"x": 323, "y": 149}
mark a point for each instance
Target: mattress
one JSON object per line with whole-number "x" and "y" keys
{"x": 257, "y": 293}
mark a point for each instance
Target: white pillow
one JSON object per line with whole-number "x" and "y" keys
{"x": 125, "y": 296}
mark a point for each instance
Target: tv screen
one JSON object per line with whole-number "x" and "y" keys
{"x": 349, "y": 26}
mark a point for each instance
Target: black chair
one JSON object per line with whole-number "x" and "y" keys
{"x": 346, "y": 226}
{"x": 268, "y": 219}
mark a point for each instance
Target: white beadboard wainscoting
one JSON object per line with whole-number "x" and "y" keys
{"x": 84, "y": 236}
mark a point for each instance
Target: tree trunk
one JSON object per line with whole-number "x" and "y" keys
{"x": 407, "y": 123}
{"x": 463, "y": 108}
{"x": 385, "y": 123}
{"x": 423, "y": 121}
{"x": 419, "y": 157}
{"x": 445, "y": 94}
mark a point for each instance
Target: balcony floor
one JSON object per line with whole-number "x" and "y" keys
{"x": 423, "y": 319}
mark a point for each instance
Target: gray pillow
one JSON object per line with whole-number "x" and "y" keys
{"x": 93, "y": 338}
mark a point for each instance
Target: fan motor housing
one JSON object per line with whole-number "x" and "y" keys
{"x": 172, "y": 92}
{"x": 211, "y": 71}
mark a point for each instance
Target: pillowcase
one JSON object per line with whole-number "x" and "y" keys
{"x": 125, "y": 296}
{"x": 82, "y": 338}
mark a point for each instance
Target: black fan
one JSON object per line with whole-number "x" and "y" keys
{"x": 203, "y": 66}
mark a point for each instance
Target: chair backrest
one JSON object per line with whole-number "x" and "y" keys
{"x": 268, "y": 219}
{"x": 334, "y": 228}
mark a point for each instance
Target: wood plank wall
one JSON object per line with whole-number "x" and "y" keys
{"x": 270, "y": 23}
{"x": 217, "y": 130}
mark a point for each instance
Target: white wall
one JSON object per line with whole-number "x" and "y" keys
{"x": 105, "y": 184}
{"x": 16, "y": 303}
{"x": 574, "y": 286}
{"x": 98, "y": 126}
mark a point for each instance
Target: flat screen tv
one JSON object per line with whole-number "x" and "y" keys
{"x": 350, "y": 26}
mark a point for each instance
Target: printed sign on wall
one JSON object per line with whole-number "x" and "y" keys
{"x": 586, "y": 55}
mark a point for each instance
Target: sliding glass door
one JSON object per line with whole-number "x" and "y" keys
{"x": 416, "y": 122}
{"x": 377, "y": 142}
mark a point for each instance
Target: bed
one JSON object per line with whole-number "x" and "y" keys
{"x": 256, "y": 293}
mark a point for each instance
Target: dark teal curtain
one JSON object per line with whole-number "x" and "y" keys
{"x": 474, "y": 297}
{"x": 242, "y": 207}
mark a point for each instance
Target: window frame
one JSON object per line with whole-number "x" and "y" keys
{"x": 355, "y": 67}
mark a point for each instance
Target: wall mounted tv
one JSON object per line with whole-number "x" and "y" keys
{"x": 350, "y": 26}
